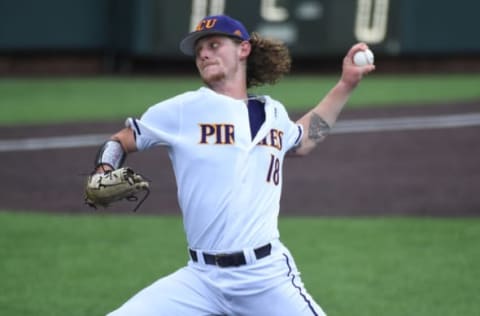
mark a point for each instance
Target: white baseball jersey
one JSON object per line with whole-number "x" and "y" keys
{"x": 229, "y": 185}
{"x": 229, "y": 192}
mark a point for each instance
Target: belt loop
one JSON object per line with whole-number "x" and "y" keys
{"x": 197, "y": 256}
{"x": 193, "y": 255}
{"x": 249, "y": 255}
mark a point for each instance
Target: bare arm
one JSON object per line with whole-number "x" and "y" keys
{"x": 127, "y": 139}
{"x": 318, "y": 121}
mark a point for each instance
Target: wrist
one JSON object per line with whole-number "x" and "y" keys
{"x": 103, "y": 168}
{"x": 346, "y": 86}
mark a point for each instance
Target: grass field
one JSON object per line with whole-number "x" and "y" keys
{"x": 87, "y": 265}
{"x": 27, "y": 101}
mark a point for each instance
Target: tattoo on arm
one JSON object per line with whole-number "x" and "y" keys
{"x": 318, "y": 128}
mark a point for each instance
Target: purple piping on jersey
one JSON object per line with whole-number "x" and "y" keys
{"x": 297, "y": 287}
{"x": 136, "y": 126}
{"x": 299, "y": 134}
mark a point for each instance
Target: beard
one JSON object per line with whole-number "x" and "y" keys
{"x": 211, "y": 79}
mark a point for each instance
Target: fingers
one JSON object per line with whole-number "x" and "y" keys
{"x": 368, "y": 68}
{"x": 349, "y": 58}
{"x": 351, "y": 73}
{"x": 357, "y": 47}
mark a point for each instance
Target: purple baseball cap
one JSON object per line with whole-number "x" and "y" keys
{"x": 213, "y": 25}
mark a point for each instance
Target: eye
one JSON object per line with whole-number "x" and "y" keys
{"x": 214, "y": 45}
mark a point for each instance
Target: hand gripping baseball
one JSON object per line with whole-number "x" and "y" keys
{"x": 352, "y": 73}
{"x": 102, "y": 189}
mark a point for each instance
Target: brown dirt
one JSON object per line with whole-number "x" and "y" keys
{"x": 422, "y": 172}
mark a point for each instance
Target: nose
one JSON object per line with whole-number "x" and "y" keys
{"x": 202, "y": 53}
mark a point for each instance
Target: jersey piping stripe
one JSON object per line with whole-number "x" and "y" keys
{"x": 300, "y": 132}
{"x": 289, "y": 274}
{"x": 136, "y": 127}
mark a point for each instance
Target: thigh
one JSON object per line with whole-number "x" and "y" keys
{"x": 284, "y": 296}
{"x": 181, "y": 293}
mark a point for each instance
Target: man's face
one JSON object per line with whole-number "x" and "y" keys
{"x": 218, "y": 58}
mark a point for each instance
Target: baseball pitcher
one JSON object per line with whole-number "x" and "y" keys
{"x": 227, "y": 149}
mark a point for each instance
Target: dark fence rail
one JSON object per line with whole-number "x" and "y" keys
{"x": 118, "y": 34}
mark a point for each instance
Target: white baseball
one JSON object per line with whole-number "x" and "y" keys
{"x": 363, "y": 57}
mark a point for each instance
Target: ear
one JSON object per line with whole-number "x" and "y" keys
{"x": 245, "y": 49}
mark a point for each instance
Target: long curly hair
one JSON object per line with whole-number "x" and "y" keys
{"x": 268, "y": 61}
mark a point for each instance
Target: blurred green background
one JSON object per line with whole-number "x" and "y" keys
{"x": 49, "y": 100}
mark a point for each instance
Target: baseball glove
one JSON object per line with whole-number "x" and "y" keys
{"x": 102, "y": 189}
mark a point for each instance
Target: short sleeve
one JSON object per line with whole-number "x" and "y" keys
{"x": 293, "y": 132}
{"x": 159, "y": 125}
{"x": 293, "y": 135}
